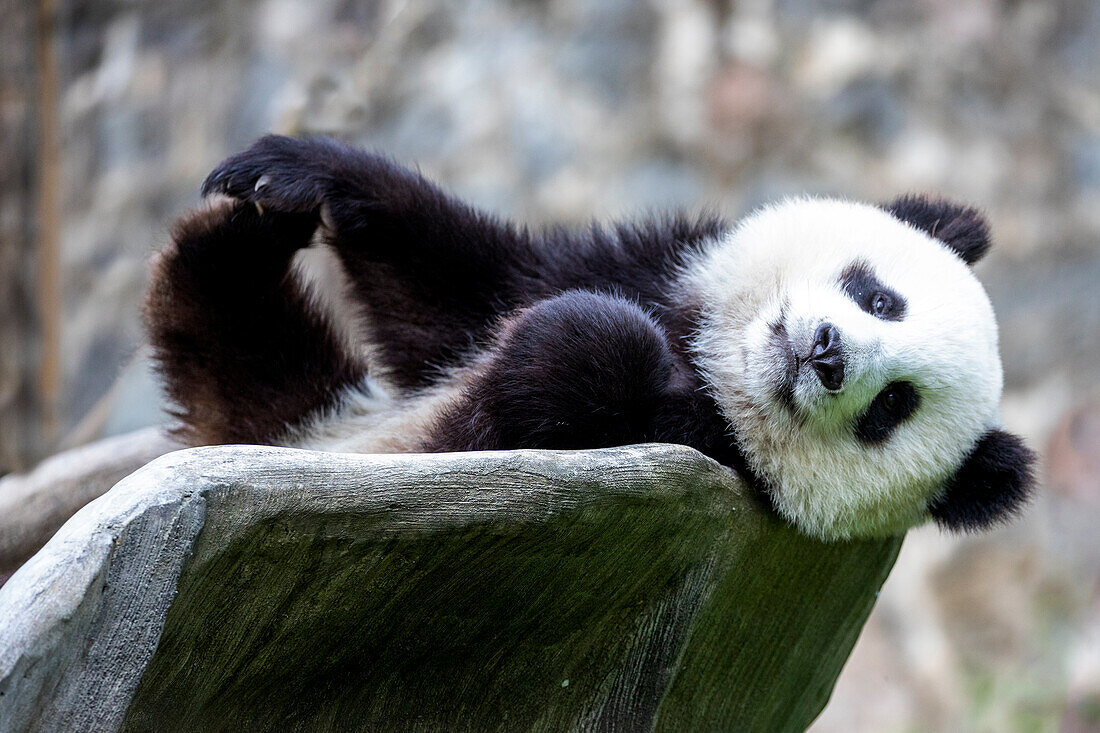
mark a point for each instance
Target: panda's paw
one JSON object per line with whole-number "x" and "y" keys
{"x": 277, "y": 173}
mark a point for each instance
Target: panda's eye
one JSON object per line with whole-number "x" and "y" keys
{"x": 880, "y": 303}
{"x": 890, "y": 400}
{"x": 860, "y": 284}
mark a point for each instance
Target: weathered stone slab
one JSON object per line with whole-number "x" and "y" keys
{"x": 35, "y": 504}
{"x": 260, "y": 588}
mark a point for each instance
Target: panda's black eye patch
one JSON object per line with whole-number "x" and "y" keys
{"x": 890, "y": 407}
{"x": 860, "y": 284}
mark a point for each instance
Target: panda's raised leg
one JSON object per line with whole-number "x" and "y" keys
{"x": 579, "y": 370}
{"x": 244, "y": 352}
{"x": 433, "y": 273}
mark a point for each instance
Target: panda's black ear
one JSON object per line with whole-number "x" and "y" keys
{"x": 992, "y": 484}
{"x": 962, "y": 228}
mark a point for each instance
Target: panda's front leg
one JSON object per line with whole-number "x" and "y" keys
{"x": 578, "y": 370}
{"x": 432, "y": 273}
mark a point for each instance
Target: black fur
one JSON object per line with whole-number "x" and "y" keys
{"x": 244, "y": 352}
{"x": 437, "y": 278}
{"x": 991, "y": 486}
{"x": 573, "y": 371}
{"x": 961, "y": 228}
{"x": 890, "y": 408}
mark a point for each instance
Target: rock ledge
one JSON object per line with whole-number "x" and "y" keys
{"x": 248, "y": 587}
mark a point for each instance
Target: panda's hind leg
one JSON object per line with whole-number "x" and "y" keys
{"x": 578, "y": 370}
{"x": 244, "y": 351}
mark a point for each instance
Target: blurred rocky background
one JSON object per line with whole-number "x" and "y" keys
{"x": 112, "y": 111}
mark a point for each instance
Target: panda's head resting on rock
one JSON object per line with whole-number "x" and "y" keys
{"x": 854, "y": 354}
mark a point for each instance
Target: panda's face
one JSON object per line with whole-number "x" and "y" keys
{"x": 855, "y": 357}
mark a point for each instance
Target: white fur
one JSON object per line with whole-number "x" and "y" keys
{"x": 368, "y": 419}
{"x": 786, "y": 260}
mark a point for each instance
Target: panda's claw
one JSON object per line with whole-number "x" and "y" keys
{"x": 276, "y": 174}
{"x": 209, "y": 185}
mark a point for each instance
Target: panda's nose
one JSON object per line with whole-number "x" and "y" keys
{"x": 826, "y": 358}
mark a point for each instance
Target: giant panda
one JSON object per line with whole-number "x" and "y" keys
{"x": 841, "y": 357}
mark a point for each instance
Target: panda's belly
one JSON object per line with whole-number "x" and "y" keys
{"x": 372, "y": 420}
